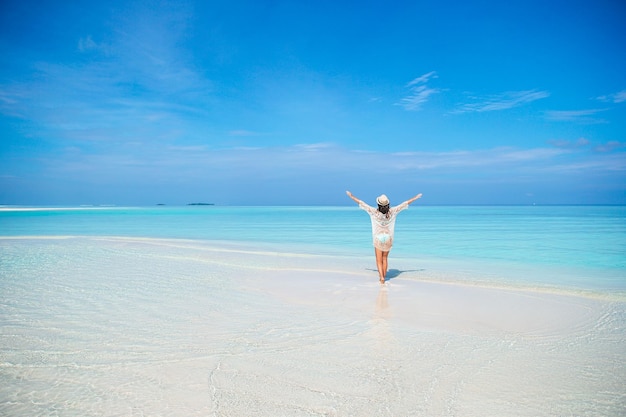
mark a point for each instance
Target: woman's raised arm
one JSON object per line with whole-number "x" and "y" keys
{"x": 410, "y": 200}
{"x": 356, "y": 200}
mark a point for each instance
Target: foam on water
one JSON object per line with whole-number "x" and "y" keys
{"x": 124, "y": 326}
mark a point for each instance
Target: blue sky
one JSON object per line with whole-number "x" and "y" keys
{"x": 293, "y": 102}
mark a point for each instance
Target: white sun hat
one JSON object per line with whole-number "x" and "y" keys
{"x": 382, "y": 200}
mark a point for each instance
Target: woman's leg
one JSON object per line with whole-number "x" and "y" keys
{"x": 385, "y": 258}
{"x": 381, "y": 264}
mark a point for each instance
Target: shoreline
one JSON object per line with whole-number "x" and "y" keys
{"x": 349, "y": 264}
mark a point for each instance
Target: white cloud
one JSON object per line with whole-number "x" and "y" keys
{"x": 610, "y": 146}
{"x": 471, "y": 159}
{"x": 242, "y": 132}
{"x": 567, "y": 144}
{"x": 618, "y": 97}
{"x": 502, "y": 101}
{"x": 419, "y": 92}
{"x": 584, "y": 116}
{"x": 10, "y": 98}
{"x": 423, "y": 79}
{"x": 86, "y": 44}
{"x": 189, "y": 148}
{"x": 313, "y": 147}
{"x": 300, "y": 172}
{"x": 315, "y": 159}
{"x": 133, "y": 87}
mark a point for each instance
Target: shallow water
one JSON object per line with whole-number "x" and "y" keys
{"x": 123, "y": 326}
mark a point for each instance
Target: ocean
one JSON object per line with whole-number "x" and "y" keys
{"x": 277, "y": 311}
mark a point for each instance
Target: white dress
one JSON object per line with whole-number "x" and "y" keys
{"x": 383, "y": 225}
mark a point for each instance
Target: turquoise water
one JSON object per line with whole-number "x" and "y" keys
{"x": 571, "y": 246}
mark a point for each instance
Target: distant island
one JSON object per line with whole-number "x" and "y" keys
{"x": 200, "y": 204}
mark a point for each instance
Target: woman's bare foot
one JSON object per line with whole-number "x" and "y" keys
{"x": 382, "y": 280}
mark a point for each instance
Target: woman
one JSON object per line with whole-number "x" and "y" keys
{"x": 383, "y": 222}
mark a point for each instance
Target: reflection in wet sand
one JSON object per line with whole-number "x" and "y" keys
{"x": 380, "y": 331}
{"x": 382, "y": 303}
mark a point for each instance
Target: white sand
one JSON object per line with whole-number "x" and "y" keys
{"x": 147, "y": 327}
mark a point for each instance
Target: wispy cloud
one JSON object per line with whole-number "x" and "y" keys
{"x": 581, "y": 116}
{"x": 190, "y": 148}
{"x": 230, "y": 172}
{"x": 502, "y": 101}
{"x": 610, "y": 146}
{"x": 618, "y": 97}
{"x": 325, "y": 159}
{"x": 568, "y": 144}
{"x": 313, "y": 147}
{"x": 461, "y": 160}
{"x": 419, "y": 92}
{"x": 141, "y": 84}
{"x": 243, "y": 132}
{"x": 87, "y": 44}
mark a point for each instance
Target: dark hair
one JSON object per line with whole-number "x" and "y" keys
{"x": 383, "y": 209}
